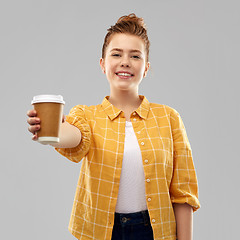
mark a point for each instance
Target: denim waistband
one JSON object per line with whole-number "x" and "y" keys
{"x": 132, "y": 218}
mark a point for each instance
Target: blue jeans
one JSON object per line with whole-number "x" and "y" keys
{"x": 132, "y": 226}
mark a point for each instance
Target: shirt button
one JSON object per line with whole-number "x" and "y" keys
{"x": 146, "y": 161}
{"x": 148, "y": 180}
{"x": 138, "y": 132}
{"x": 149, "y": 199}
{"x": 134, "y": 119}
{"x": 142, "y": 143}
{"x": 153, "y": 220}
{"x": 134, "y": 113}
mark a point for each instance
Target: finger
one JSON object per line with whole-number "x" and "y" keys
{"x": 34, "y": 128}
{"x": 32, "y": 113}
{"x": 34, "y": 137}
{"x": 33, "y": 120}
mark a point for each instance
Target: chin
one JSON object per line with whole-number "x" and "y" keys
{"x": 126, "y": 88}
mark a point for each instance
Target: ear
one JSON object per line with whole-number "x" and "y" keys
{"x": 102, "y": 65}
{"x": 146, "y": 69}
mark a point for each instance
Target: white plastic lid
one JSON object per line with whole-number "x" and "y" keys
{"x": 48, "y": 98}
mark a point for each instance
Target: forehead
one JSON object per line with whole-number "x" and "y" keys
{"x": 126, "y": 42}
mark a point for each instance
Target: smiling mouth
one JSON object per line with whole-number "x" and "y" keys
{"x": 124, "y": 74}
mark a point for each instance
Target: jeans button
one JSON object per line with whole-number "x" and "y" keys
{"x": 124, "y": 219}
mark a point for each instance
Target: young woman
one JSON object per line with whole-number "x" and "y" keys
{"x": 137, "y": 179}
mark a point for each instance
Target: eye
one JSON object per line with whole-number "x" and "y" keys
{"x": 136, "y": 56}
{"x": 116, "y": 55}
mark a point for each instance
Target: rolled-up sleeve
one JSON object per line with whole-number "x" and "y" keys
{"x": 184, "y": 184}
{"x": 77, "y": 118}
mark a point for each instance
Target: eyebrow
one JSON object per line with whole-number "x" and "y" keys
{"x": 120, "y": 50}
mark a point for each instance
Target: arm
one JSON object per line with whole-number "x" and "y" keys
{"x": 70, "y": 136}
{"x": 184, "y": 185}
{"x": 184, "y": 221}
{"x": 75, "y": 133}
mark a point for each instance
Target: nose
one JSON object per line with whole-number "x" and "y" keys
{"x": 125, "y": 62}
{"x": 124, "y": 65}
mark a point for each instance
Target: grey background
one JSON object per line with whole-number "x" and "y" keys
{"x": 53, "y": 47}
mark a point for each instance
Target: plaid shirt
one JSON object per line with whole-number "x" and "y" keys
{"x": 170, "y": 175}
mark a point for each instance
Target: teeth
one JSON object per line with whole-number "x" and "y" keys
{"x": 123, "y": 74}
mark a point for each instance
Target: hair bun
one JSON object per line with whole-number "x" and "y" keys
{"x": 132, "y": 18}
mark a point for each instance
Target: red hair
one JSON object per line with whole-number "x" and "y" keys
{"x": 130, "y": 24}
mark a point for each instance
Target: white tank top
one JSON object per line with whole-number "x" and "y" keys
{"x": 131, "y": 195}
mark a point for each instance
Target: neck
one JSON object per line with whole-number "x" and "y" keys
{"x": 125, "y": 99}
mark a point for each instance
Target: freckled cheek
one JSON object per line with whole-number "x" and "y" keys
{"x": 110, "y": 70}
{"x": 141, "y": 71}
{"x": 110, "y": 73}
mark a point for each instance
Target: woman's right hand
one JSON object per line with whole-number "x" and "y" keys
{"x": 34, "y": 123}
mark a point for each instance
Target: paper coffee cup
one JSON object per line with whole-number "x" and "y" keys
{"x": 50, "y": 110}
